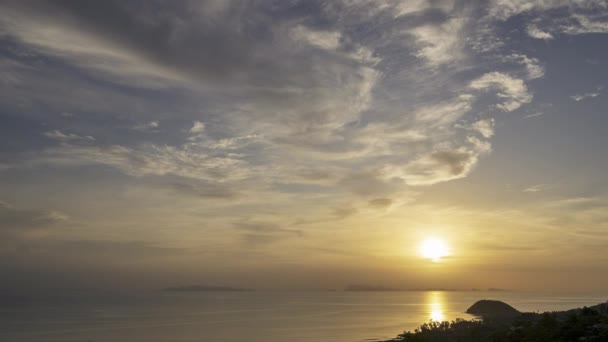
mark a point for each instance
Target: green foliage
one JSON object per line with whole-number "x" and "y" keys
{"x": 455, "y": 331}
{"x": 587, "y": 324}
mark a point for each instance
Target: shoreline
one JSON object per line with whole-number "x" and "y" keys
{"x": 498, "y": 321}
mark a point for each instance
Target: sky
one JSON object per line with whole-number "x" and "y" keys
{"x": 313, "y": 144}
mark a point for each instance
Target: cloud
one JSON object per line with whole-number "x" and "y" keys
{"x": 533, "y": 67}
{"x": 443, "y": 164}
{"x": 302, "y": 95}
{"x": 440, "y": 166}
{"x": 262, "y": 233}
{"x": 571, "y": 24}
{"x": 328, "y": 101}
{"x": 322, "y": 39}
{"x": 259, "y": 239}
{"x": 234, "y": 143}
{"x": 147, "y": 127}
{"x": 197, "y": 127}
{"x": 18, "y": 221}
{"x": 367, "y": 184}
{"x": 504, "y": 9}
{"x": 209, "y": 191}
{"x": 281, "y": 92}
{"x": 553, "y": 18}
{"x": 490, "y": 246}
{"x": 380, "y": 203}
{"x": 514, "y": 91}
{"x": 534, "y": 32}
{"x": 446, "y": 112}
{"x": 58, "y": 135}
{"x": 51, "y": 30}
{"x": 534, "y": 115}
{"x": 590, "y": 95}
{"x": 343, "y": 212}
{"x": 584, "y": 24}
{"x": 265, "y": 227}
{"x": 535, "y": 188}
{"x": 292, "y": 114}
{"x": 485, "y": 127}
{"x": 188, "y": 160}
{"x": 110, "y": 248}
{"x": 544, "y": 20}
{"x": 89, "y": 251}
{"x": 576, "y": 202}
{"x": 399, "y": 8}
{"x": 440, "y": 44}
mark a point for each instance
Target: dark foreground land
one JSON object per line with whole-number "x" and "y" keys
{"x": 501, "y": 322}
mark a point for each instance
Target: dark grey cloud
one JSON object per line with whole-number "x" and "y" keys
{"x": 174, "y": 35}
{"x": 455, "y": 161}
{"x": 245, "y": 53}
{"x": 302, "y": 74}
{"x": 315, "y": 175}
{"x": 108, "y": 248}
{"x": 230, "y": 42}
{"x": 265, "y": 228}
{"x": 209, "y": 191}
{"x": 488, "y": 246}
{"x": 343, "y": 212}
{"x": 367, "y": 184}
{"x": 20, "y": 220}
{"x": 380, "y": 203}
{"x": 262, "y": 233}
{"x": 92, "y": 250}
{"x": 259, "y": 239}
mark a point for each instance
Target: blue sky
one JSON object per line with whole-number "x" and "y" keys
{"x": 268, "y": 143}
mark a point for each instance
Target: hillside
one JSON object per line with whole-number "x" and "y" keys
{"x": 583, "y": 324}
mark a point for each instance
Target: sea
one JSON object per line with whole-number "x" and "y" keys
{"x": 269, "y": 316}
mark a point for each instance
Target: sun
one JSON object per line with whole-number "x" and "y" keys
{"x": 434, "y": 249}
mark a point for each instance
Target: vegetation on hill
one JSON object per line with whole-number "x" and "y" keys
{"x": 586, "y": 324}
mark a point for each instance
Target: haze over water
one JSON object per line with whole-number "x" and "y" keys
{"x": 268, "y": 316}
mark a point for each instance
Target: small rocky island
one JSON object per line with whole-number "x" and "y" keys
{"x": 493, "y": 309}
{"x": 501, "y": 322}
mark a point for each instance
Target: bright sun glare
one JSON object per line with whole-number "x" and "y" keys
{"x": 434, "y": 249}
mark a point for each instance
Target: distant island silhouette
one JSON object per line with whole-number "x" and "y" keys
{"x": 365, "y": 287}
{"x": 502, "y": 322}
{"x": 492, "y": 308}
{"x": 370, "y": 288}
{"x": 204, "y": 288}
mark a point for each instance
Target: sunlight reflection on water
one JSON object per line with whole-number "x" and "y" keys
{"x": 435, "y": 302}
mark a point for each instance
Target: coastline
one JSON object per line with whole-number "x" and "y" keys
{"x": 499, "y": 321}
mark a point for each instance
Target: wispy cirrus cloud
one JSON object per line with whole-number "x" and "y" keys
{"x": 58, "y": 135}
{"x": 534, "y": 115}
{"x": 584, "y": 24}
{"x": 151, "y": 126}
{"x": 319, "y": 110}
{"x": 188, "y": 161}
{"x": 441, "y": 44}
{"x": 585, "y": 96}
{"x": 19, "y": 221}
{"x": 514, "y": 91}
{"x": 535, "y": 188}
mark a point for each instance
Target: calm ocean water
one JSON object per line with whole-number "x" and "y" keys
{"x": 251, "y": 316}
